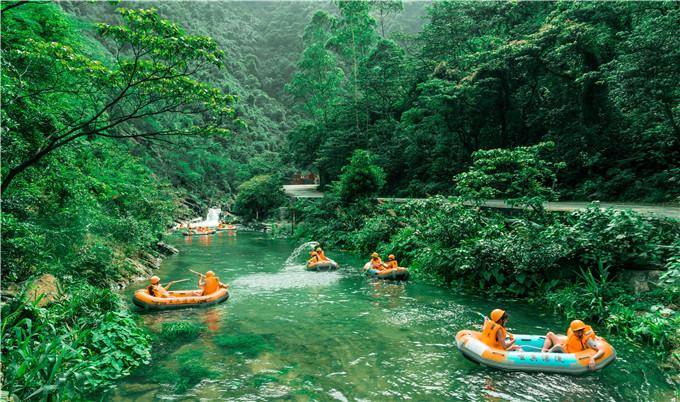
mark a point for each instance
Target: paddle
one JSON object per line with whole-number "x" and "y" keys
{"x": 197, "y": 273}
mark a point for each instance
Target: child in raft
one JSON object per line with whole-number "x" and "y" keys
{"x": 494, "y": 333}
{"x": 579, "y": 337}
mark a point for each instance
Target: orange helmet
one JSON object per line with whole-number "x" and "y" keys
{"x": 497, "y": 314}
{"x": 375, "y": 255}
{"x": 391, "y": 257}
{"x": 154, "y": 279}
{"x": 577, "y": 325}
{"x": 318, "y": 249}
{"x": 210, "y": 273}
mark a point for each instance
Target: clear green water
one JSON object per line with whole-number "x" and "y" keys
{"x": 288, "y": 334}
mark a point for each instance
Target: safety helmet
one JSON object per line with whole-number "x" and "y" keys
{"x": 210, "y": 273}
{"x": 375, "y": 255}
{"x": 391, "y": 257}
{"x": 577, "y": 325}
{"x": 319, "y": 249}
{"x": 154, "y": 279}
{"x": 497, "y": 314}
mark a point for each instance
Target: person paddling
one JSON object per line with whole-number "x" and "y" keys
{"x": 210, "y": 283}
{"x": 155, "y": 288}
{"x": 579, "y": 337}
{"x": 494, "y": 333}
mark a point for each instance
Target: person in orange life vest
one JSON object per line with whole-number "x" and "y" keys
{"x": 322, "y": 256}
{"x": 376, "y": 262}
{"x": 494, "y": 333}
{"x": 210, "y": 283}
{"x": 579, "y": 337}
{"x": 392, "y": 262}
{"x": 315, "y": 257}
{"x": 156, "y": 289}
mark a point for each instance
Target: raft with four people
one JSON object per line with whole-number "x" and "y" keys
{"x": 531, "y": 358}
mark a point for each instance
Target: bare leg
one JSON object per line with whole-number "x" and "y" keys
{"x": 551, "y": 340}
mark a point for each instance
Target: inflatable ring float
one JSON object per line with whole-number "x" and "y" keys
{"x": 395, "y": 274}
{"x": 178, "y": 299}
{"x": 324, "y": 265}
{"x": 532, "y": 359}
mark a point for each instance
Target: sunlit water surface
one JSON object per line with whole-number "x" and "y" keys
{"x": 289, "y": 334}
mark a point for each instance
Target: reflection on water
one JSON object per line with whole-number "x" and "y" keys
{"x": 289, "y": 334}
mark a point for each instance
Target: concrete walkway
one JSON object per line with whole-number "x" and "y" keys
{"x": 309, "y": 191}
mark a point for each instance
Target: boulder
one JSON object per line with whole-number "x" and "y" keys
{"x": 46, "y": 285}
{"x": 640, "y": 281}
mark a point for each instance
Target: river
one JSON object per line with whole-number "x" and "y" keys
{"x": 289, "y": 334}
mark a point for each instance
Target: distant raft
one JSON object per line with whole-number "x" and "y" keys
{"x": 395, "y": 274}
{"x": 474, "y": 349}
{"x": 199, "y": 233}
{"x": 178, "y": 299}
{"x": 324, "y": 265}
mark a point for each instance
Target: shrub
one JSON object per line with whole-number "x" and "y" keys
{"x": 361, "y": 178}
{"x": 258, "y": 197}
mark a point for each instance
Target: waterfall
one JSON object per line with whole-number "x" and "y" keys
{"x": 212, "y": 220}
{"x": 309, "y": 246}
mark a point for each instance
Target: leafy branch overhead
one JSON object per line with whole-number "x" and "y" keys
{"x": 152, "y": 72}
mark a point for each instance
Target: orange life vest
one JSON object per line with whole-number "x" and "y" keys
{"x": 489, "y": 331}
{"x": 314, "y": 258}
{"x": 322, "y": 256}
{"x": 392, "y": 264}
{"x": 212, "y": 283}
{"x": 574, "y": 344}
{"x": 376, "y": 263}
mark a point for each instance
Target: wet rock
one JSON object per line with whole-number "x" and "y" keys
{"x": 640, "y": 281}
{"x": 166, "y": 248}
{"x": 45, "y": 285}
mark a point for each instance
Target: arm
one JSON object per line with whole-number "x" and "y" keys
{"x": 167, "y": 286}
{"x": 501, "y": 340}
{"x": 600, "y": 353}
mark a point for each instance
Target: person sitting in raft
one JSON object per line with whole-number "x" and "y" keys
{"x": 392, "y": 262}
{"x": 579, "y": 337}
{"x": 315, "y": 257}
{"x": 211, "y": 283}
{"x": 155, "y": 289}
{"x": 322, "y": 256}
{"x": 494, "y": 333}
{"x": 376, "y": 262}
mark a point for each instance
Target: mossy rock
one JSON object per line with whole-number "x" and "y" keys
{"x": 180, "y": 331}
{"x": 262, "y": 379}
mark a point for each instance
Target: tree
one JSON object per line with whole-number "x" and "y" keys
{"x": 258, "y": 196}
{"x": 519, "y": 175}
{"x": 152, "y": 72}
{"x": 361, "y": 178}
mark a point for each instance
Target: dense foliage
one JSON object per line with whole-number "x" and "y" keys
{"x": 258, "y": 197}
{"x": 599, "y": 80}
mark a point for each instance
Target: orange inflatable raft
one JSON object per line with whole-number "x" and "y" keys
{"x": 178, "y": 299}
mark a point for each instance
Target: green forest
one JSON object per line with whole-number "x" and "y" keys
{"x": 120, "y": 120}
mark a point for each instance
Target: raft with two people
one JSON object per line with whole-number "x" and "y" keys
{"x": 391, "y": 270}
{"x": 158, "y": 297}
{"x": 319, "y": 261}
{"x": 579, "y": 352}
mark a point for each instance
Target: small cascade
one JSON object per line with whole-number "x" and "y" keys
{"x": 309, "y": 246}
{"x": 212, "y": 220}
